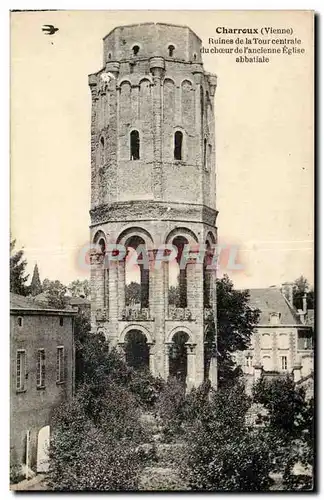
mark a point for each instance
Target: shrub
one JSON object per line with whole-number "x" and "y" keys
{"x": 171, "y": 408}
{"x": 221, "y": 452}
{"x": 95, "y": 442}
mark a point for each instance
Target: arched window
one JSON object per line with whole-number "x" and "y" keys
{"x": 171, "y": 49}
{"x": 178, "y": 137}
{"x": 109, "y": 55}
{"x": 135, "y": 50}
{"x": 134, "y": 145}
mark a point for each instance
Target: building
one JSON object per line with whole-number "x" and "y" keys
{"x": 153, "y": 183}
{"x": 41, "y": 376}
{"x": 283, "y": 339}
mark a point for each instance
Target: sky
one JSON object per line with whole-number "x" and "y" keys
{"x": 264, "y": 141}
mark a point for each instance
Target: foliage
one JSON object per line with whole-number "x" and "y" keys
{"x": 79, "y": 288}
{"x": 18, "y": 265}
{"x": 300, "y": 288}
{"x": 95, "y": 445}
{"x": 222, "y": 453}
{"x": 145, "y": 388}
{"x": 171, "y": 408}
{"x": 55, "y": 293}
{"x": 133, "y": 293}
{"x": 235, "y": 324}
{"x": 35, "y": 285}
{"x": 289, "y": 426}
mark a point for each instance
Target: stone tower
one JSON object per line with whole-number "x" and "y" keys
{"x": 153, "y": 183}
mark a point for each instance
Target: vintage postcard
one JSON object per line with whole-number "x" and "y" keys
{"x": 161, "y": 268}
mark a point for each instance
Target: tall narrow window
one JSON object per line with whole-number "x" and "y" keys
{"x": 134, "y": 145}
{"x": 205, "y": 152}
{"x": 102, "y": 151}
{"x": 40, "y": 378}
{"x": 60, "y": 364}
{"x": 178, "y": 137}
{"x": 284, "y": 364}
{"x": 171, "y": 50}
{"x": 21, "y": 370}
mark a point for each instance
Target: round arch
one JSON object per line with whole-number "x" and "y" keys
{"x": 132, "y": 231}
{"x": 179, "y": 329}
{"x": 99, "y": 234}
{"x": 137, "y": 327}
{"x": 43, "y": 442}
{"x": 181, "y": 231}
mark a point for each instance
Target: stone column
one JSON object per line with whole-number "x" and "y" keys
{"x": 191, "y": 367}
{"x": 151, "y": 358}
{"x": 166, "y": 360}
{"x": 113, "y": 303}
{"x": 121, "y": 287}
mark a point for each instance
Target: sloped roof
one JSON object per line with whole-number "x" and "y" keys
{"x": 270, "y": 300}
{"x": 21, "y": 302}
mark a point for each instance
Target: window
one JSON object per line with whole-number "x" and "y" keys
{"x": 21, "y": 370}
{"x": 266, "y": 341}
{"x": 102, "y": 150}
{"x": 171, "y": 50}
{"x": 283, "y": 341}
{"x": 20, "y": 321}
{"x": 134, "y": 145}
{"x": 60, "y": 364}
{"x": 194, "y": 57}
{"x": 178, "y": 136}
{"x": 305, "y": 340}
{"x": 40, "y": 368}
{"x": 248, "y": 361}
{"x": 61, "y": 321}
{"x": 109, "y": 55}
{"x": 135, "y": 50}
{"x": 205, "y": 153}
{"x": 284, "y": 364}
{"x": 274, "y": 318}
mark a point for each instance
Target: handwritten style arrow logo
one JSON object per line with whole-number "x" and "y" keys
{"x": 49, "y": 29}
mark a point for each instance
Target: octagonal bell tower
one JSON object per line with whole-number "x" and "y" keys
{"x": 153, "y": 182}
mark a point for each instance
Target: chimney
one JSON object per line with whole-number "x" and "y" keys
{"x": 305, "y": 303}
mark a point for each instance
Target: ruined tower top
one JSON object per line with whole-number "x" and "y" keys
{"x": 146, "y": 40}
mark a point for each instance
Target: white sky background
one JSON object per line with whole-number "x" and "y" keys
{"x": 264, "y": 129}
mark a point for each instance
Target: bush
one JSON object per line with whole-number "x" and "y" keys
{"x": 146, "y": 388}
{"x": 221, "y": 452}
{"x": 95, "y": 444}
{"x": 171, "y": 408}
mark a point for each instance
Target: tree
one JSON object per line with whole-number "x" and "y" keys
{"x": 35, "y": 286}
{"x": 18, "y": 265}
{"x": 236, "y": 321}
{"x": 290, "y": 428}
{"x": 133, "y": 293}
{"x": 55, "y": 293}
{"x": 222, "y": 453}
{"x": 300, "y": 288}
{"x": 95, "y": 442}
{"x": 80, "y": 288}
